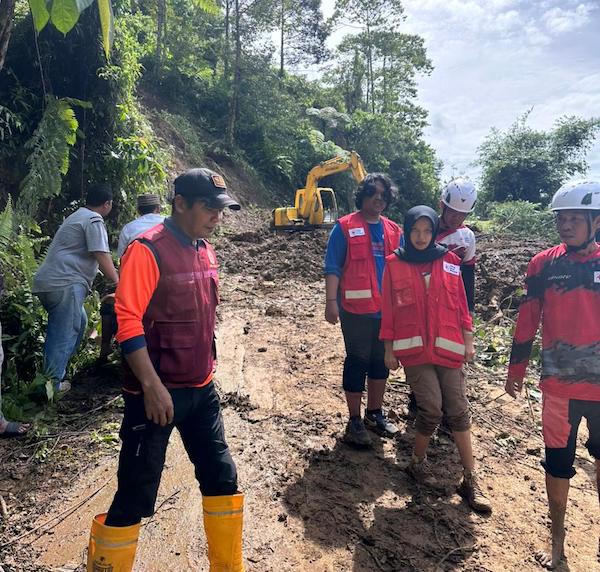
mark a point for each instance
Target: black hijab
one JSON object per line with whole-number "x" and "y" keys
{"x": 408, "y": 252}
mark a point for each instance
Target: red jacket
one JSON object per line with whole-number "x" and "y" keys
{"x": 359, "y": 287}
{"x": 179, "y": 321}
{"x": 425, "y": 324}
{"x": 564, "y": 288}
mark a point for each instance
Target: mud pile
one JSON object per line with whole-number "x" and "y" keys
{"x": 246, "y": 245}
{"x": 500, "y": 272}
{"x": 251, "y": 248}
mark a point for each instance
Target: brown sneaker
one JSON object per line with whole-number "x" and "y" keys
{"x": 356, "y": 434}
{"x": 420, "y": 471}
{"x": 470, "y": 490}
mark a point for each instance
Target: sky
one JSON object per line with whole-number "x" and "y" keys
{"x": 496, "y": 59}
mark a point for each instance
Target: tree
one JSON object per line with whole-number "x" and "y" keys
{"x": 374, "y": 16}
{"x": 526, "y": 164}
{"x": 250, "y": 17}
{"x": 303, "y": 33}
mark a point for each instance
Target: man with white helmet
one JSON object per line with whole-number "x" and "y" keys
{"x": 563, "y": 285}
{"x": 457, "y": 201}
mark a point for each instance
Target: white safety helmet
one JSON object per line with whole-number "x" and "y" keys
{"x": 460, "y": 195}
{"x": 577, "y": 195}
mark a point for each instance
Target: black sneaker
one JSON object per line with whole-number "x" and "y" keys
{"x": 356, "y": 434}
{"x": 379, "y": 423}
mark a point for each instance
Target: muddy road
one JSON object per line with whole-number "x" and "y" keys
{"x": 313, "y": 504}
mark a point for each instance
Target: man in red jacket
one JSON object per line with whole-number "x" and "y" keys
{"x": 165, "y": 306}
{"x": 354, "y": 265}
{"x": 563, "y": 286}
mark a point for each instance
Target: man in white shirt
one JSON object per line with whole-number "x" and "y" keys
{"x": 148, "y": 206}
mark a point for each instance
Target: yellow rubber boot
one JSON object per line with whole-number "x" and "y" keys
{"x": 112, "y": 548}
{"x": 223, "y": 518}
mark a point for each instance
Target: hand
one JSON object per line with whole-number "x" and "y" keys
{"x": 332, "y": 312}
{"x": 513, "y": 386}
{"x": 158, "y": 404}
{"x": 469, "y": 351}
{"x": 391, "y": 361}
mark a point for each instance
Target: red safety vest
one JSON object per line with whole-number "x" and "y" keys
{"x": 359, "y": 287}
{"x": 179, "y": 322}
{"x": 427, "y": 322}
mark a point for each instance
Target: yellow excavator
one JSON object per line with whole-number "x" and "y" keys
{"x": 316, "y": 207}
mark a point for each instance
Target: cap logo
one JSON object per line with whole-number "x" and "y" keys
{"x": 218, "y": 181}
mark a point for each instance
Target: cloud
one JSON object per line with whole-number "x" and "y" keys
{"x": 559, "y": 21}
{"x": 495, "y": 59}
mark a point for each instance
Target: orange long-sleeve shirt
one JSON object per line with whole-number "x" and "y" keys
{"x": 138, "y": 279}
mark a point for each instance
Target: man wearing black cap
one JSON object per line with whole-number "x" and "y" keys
{"x": 165, "y": 306}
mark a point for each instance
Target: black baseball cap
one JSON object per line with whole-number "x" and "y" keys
{"x": 206, "y": 185}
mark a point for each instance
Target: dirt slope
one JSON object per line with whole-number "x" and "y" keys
{"x": 313, "y": 504}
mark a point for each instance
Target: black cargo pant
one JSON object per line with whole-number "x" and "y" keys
{"x": 200, "y": 424}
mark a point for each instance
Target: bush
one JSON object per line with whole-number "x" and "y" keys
{"x": 522, "y": 218}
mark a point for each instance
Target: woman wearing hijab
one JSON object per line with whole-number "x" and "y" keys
{"x": 426, "y": 326}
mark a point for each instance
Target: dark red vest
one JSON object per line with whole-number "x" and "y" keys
{"x": 179, "y": 322}
{"x": 359, "y": 288}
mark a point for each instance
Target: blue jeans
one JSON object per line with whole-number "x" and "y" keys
{"x": 67, "y": 321}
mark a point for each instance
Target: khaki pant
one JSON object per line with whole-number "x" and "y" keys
{"x": 438, "y": 391}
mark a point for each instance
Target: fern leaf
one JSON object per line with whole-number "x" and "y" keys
{"x": 207, "y": 6}
{"x": 6, "y": 222}
{"x": 49, "y": 159}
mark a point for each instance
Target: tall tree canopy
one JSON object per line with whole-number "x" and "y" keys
{"x": 523, "y": 163}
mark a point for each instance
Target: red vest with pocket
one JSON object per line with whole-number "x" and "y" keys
{"x": 179, "y": 322}
{"x": 427, "y": 322}
{"x": 359, "y": 288}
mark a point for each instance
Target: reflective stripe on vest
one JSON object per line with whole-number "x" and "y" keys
{"x": 451, "y": 346}
{"x": 407, "y": 343}
{"x": 357, "y": 294}
{"x": 359, "y": 284}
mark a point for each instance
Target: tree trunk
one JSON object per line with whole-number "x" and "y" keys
{"x": 371, "y": 81}
{"x": 282, "y": 37}
{"x": 226, "y": 50}
{"x": 161, "y": 20}
{"x": 384, "y": 106}
{"x": 237, "y": 77}
{"x": 7, "y": 10}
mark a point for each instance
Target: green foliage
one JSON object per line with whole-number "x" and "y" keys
{"x": 49, "y": 159}
{"x": 526, "y": 164}
{"x": 186, "y": 135}
{"x": 10, "y": 123}
{"x": 64, "y": 14}
{"x": 522, "y": 218}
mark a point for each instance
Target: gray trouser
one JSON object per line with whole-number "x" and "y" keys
{"x": 1, "y": 360}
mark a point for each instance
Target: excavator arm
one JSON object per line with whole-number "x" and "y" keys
{"x": 330, "y": 167}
